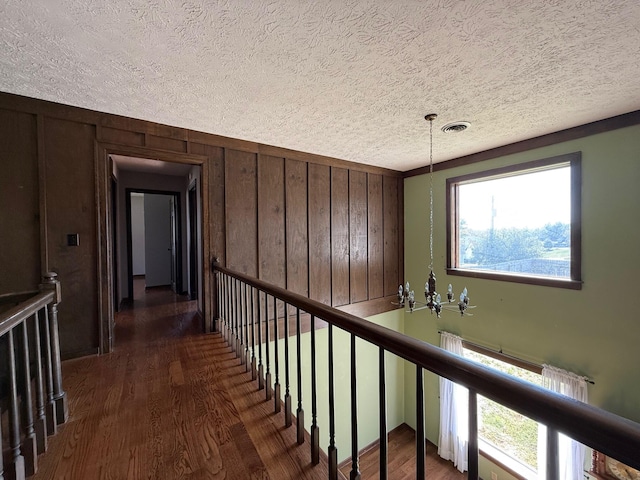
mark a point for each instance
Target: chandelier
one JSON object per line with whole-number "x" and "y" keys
{"x": 434, "y": 301}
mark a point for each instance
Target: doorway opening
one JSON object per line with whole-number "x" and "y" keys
{"x": 154, "y": 239}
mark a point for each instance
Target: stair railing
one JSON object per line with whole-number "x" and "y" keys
{"x": 603, "y": 431}
{"x": 31, "y": 373}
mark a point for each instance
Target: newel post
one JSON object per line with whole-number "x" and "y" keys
{"x": 216, "y": 295}
{"x": 50, "y": 282}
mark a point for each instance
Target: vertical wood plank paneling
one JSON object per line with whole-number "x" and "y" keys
{"x": 241, "y": 211}
{"x": 296, "y": 225}
{"x": 358, "y": 236}
{"x": 271, "y": 222}
{"x": 375, "y": 236}
{"x": 71, "y": 208}
{"x": 391, "y": 235}
{"x": 216, "y": 221}
{"x": 320, "y": 233}
{"x": 339, "y": 237}
{"x": 19, "y": 200}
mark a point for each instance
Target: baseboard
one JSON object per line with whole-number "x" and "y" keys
{"x": 78, "y": 354}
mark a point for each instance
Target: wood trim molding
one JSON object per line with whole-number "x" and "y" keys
{"x": 586, "y": 130}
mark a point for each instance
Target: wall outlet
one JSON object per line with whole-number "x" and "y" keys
{"x": 494, "y": 476}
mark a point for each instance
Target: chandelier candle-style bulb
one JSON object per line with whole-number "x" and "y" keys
{"x": 450, "y": 293}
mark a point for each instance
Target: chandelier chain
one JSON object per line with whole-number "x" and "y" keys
{"x": 431, "y": 194}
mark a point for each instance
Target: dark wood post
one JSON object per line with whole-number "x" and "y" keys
{"x": 40, "y": 424}
{"x": 215, "y": 314}
{"x": 15, "y": 468}
{"x": 49, "y": 282}
{"x": 29, "y": 445}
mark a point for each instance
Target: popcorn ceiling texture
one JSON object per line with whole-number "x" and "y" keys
{"x": 350, "y": 79}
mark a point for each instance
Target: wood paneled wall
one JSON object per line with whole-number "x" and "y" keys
{"x": 319, "y": 226}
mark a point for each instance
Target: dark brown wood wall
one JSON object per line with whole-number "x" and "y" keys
{"x": 319, "y": 226}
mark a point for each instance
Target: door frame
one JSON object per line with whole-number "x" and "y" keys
{"x": 177, "y": 264}
{"x": 106, "y": 247}
{"x": 192, "y": 249}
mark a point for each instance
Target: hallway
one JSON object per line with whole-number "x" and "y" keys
{"x": 169, "y": 403}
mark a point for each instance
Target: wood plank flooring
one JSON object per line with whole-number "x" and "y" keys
{"x": 173, "y": 403}
{"x": 170, "y": 403}
{"x": 402, "y": 459}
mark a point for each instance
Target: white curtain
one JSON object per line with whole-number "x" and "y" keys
{"x": 570, "y": 452}
{"x": 454, "y": 412}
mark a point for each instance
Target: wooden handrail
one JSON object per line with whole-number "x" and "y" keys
{"x": 22, "y": 311}
{"x": 604, "y": 431}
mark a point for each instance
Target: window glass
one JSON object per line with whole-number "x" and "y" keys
{"x": 521, "y": 221}
{"x": 504, "y": 434}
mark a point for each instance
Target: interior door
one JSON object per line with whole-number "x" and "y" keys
{"x": 174, "y": 247}
{"x": 158, "y": 240}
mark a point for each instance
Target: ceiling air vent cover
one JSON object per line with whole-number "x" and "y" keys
{"x": 455, "y": 127}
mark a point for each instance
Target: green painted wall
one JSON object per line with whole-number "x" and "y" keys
{"x": 594, "y": 331}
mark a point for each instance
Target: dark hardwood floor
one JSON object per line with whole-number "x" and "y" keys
{"x": 173, "y": 403}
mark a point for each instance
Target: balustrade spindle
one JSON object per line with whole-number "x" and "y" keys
{"x": 287, "y": 397}
{"x": 276, "y": 387}
{"x": 52, "y": 425}
{"x": 260, "y": 366}
{"x": 420, "y": 445}
{"x": 16, "y": 468}
{"x": 236, "y": 318}
{"x": 246, "y": 329}
{"x": 553, "y": 463}
{"x": 59, "y": 395}
{"x": 332, "y": 451}
{"x": 40, "y": 424}
{"x": 299, "y": 410}
{"x": 355, "y": 467}
{"x": 473, "y": 436}
{"x": 240, "y": 324}
{"x": 1, "y": 459}
{"x": 384, "y": 456}
{"x": 29, "y": 446}
{"x": 268, "y": 390}
{"x": 315, "y": 431}
{"x": 253, "y": 335}
{"x": 227, "y": 310}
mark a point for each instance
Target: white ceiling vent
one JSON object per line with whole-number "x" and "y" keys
{"x": 455, "y": 127}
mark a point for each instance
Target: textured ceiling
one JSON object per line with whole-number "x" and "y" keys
{"x": 350, "y": 79}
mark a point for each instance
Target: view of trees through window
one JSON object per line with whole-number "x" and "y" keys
{"x": 519, "y": 224}
{"x": 506, "y": 430}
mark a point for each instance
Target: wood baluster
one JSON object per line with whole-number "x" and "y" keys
{"x": 240, "y": 340}
{"x": 332, "y": 451}
{"x": 299, "y": 410}
{"x": 52, "y": 426}
{"x": 384, "y": 455}
{"x": 472, "y": 446}
{"x": 59, "y": 395}
{"x": 268, "y": 390}
{"x": 277, "y": 406}
{"x": 29, "y": 445}
{"x": 287, "y": 396}
{"x": 246, "y": 329}
{"x": 241, "y": 318}
{"x": 315, "y": 431}
{"x": 553, "y": 463}
{"x": 253, "y": 335}
{"x": 260, "y": 366}
{"x": 1, "y": 456}
{"x": 229, "y": 310}
{"x": 215, "y": 317}
{"x": 235, "y": 316}
{"x": 355, "y": 467}
{"x": 420, "y": 438}
{"x": 16, "y": 469}
{"x": 40, "y": 424}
